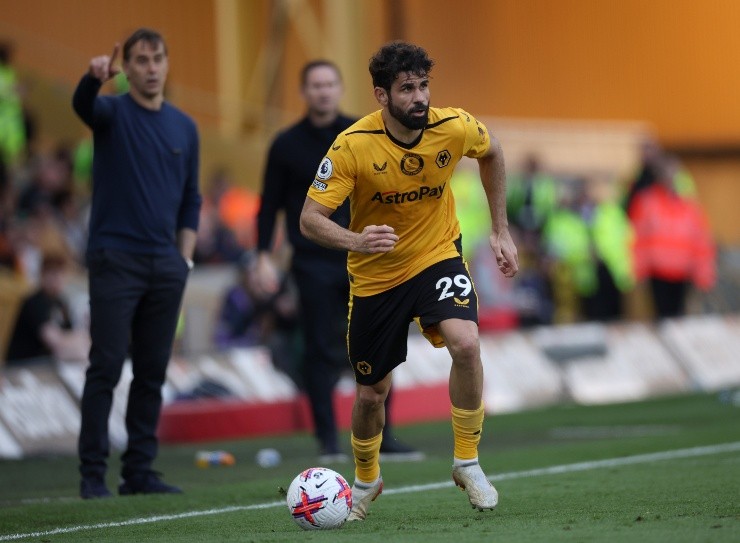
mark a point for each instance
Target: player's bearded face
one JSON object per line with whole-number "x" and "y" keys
{"x": 415, "y": 117}
{"x": 411, "y": 106}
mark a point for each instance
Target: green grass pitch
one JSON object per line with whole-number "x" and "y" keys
{"x": 662, "y": 470}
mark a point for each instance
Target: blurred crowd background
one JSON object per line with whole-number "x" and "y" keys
{"x": 620, "y": 125}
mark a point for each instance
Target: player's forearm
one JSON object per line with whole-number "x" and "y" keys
{"x": 325, "y": 232}
{"x": 493, "y": 177}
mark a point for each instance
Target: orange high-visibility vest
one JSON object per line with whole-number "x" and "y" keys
{"x": 672, "y": 238}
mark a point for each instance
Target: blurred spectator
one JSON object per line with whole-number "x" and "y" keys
{"x": 216, "y": 242}
{"x": 82, "y": 159}
{"x": 50, "y": 176}
{"x": 651, "y": 157}
{"x": 650, "y": 153}
{"x": 531, "y": 196}
{"x": 566, "y": 246}
{"x": 8, "y": 259}
{"x": 673, "y": 244}
{"x": 475, "y": 218}
{"x": 71, "y": 224}
{"x": 35, "y": 235}
{"x": 12, "y": 123}
{"x": 43, "y": 327}
{"x": 48, "y": 215}
{"x": 5, "y": 188}
{"x": 611, "y": 238}
{"x": 10, "y": 264}
{"x": 589, "y": 243}
{"x": 237, "y": 209}
{"x": 532, "y": 289}
{"x": 249, "y": 317}
{"x": 36, "y": 232}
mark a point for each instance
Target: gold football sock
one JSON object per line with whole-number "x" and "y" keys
{"x": 367, "y": 456}
{"x": 467, "y": 427}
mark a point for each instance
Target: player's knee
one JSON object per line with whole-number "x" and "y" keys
{"x": 368, "y": 399}
{"x": 465, "y": 348}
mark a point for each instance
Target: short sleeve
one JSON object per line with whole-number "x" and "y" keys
{"x": 477, "y": 141}
{"x": 336, "y": 175}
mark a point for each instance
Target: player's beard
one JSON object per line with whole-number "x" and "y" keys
{"x": 406, "y": 119}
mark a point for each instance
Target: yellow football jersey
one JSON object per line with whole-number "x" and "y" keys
{"x": 406, "y": 186}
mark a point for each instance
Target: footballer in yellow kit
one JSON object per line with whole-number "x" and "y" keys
{"x": 405, "y": 186}
{"x": 405, "y": 260}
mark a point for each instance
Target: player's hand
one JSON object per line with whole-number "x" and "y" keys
{"x": 376, "y": 239}
{"x": 504, "y": 249}
{"x": 102, "y": 67}
{"x": 266, "y": 275}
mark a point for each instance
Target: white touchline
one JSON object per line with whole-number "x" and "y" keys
{"x": 552, "y": 470}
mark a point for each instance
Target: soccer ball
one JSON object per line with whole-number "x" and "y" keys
{"x": 319, "y": 499}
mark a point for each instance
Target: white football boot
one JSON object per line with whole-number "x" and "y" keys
{"x": 363, "y": 495}
{"x": 471, "y": 479}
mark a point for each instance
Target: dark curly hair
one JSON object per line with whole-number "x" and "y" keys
{"x": 395, "y": 58}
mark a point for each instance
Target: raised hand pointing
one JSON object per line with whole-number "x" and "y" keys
{"x": 102, "y": 67}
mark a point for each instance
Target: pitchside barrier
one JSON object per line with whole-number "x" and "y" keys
{"x": 239, "y": 393}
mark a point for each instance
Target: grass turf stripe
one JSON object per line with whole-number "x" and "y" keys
{"x": 537, "y": 472}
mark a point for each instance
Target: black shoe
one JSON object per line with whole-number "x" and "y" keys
{"x": 393, "y": 450}
{"x": 147, "y": 482}
{"x": 93, "y": 488}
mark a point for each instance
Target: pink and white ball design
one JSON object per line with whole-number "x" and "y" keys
{"x": 319, "y": 499}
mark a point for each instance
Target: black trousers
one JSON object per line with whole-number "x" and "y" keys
{"x": 669, "y": 297}
{"x": 324, "y": 297}
{"x": 606, "y": 303}
{"x": 134, "y": 306}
